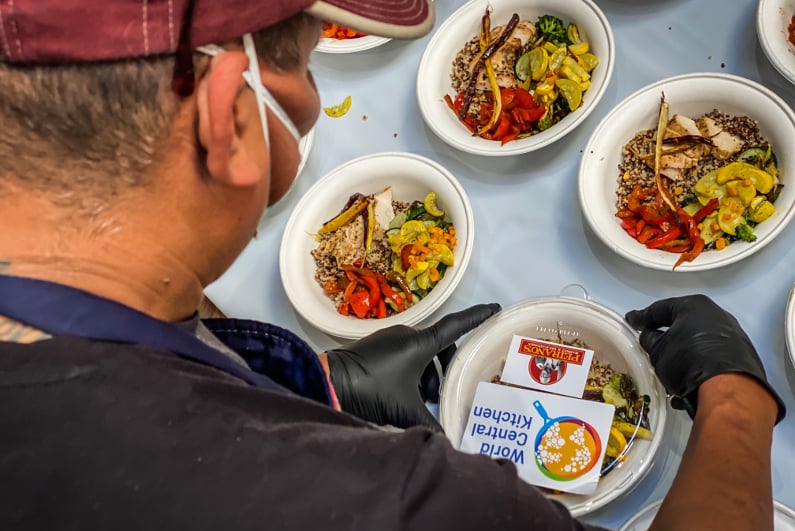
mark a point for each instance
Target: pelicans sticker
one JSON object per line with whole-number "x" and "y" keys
{"x": 547, "y": 366}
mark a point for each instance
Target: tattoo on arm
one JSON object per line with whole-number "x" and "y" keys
{"x": 16, "y": 332}
{"x": 5, "y": 266}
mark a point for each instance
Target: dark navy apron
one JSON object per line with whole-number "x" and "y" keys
{"x": 280, "y": 360}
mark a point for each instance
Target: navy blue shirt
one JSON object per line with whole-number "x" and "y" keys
{"x": 108, "y": 433}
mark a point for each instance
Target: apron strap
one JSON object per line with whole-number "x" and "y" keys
{"x": 63, "y": 310}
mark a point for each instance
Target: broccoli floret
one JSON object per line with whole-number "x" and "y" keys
{"x": 745, "y": 232}
{"x": 552, "y": 28}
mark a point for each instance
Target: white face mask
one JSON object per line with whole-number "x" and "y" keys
{"x": 265, "y": 98}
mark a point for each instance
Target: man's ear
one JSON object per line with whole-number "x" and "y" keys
{"x": 222, "y": 119}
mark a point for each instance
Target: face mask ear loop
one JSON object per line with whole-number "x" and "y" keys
{"x": 259, "y": 90}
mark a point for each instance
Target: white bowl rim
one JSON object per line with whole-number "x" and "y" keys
{"x": 530, "y": 143}
{"x": 774, "y": 43}
{"x": 725, "y": 259}
{"x": 360, "y": 327}
{"x": 789, "y": 324}
{"x": 341, "y": 46}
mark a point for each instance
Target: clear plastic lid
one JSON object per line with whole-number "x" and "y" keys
{"x": 480, "y": 358}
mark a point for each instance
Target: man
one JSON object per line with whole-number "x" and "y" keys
{"x": 137, "y": 161}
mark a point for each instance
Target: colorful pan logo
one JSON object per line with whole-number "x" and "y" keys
{"x": 566, "y": 448}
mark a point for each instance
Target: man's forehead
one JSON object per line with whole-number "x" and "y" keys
{"x": 74, "y": 31}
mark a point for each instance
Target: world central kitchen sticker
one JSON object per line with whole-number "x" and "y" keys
{"x": 555, "y": 441}
{"x": 547, "y": 366}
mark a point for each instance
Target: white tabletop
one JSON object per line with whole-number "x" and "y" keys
{"x": 530, "y": 238}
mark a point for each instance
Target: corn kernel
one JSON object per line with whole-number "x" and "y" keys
{"x": 714, "y": 226}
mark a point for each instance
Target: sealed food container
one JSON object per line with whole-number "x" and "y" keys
{"x": 562, "y": 319}
{"x": 789, "y": 324}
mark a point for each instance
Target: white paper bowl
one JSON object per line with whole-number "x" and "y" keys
{"x": 305, "y": 147}
{"x": 359, "y": 44}
{"x": 789, "y": 324}
{"x": 691, "y": 95}
{"x": 411, "y": 178}
{"x": 772, "y": 19}
{"x": 433, "y": 77}
{"x": 784, "y": 518}
{"x": 604, "y": 331}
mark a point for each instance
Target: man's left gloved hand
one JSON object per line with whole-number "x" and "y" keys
{"x": 377, "y": 378}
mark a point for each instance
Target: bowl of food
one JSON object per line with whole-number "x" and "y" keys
{"x": 383, "y": 239}
{"x": 783, "y": 518}
{"x": 775, "y": 28}
{"x": 549, "y": 61}
{"x": 690, "y": 173}
{"x": 617, "y": 357}
{"x": 339, "y": 39}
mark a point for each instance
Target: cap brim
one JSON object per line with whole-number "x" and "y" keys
{"x": 395, "y": 19}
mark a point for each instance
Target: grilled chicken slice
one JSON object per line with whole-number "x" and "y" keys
{"x": 675, "y": 165}
{"x": 724, "y": 144}
{"x": 504, "y": 59}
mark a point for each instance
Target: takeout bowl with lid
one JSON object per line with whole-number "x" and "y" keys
{"x": 481, "y": 356}
{"x": 411, "y": 178}
{"x": 434, "y": 82}
{"x": 691, "y": 95}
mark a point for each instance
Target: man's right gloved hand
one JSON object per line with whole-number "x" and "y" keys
{"x": 701, "y": 341}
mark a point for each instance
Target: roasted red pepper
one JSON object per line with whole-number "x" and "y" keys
{"x": 520, "y": 111}
{"x": 706, "y": 210}
{"x": 361, "y": 304}
{"x": 665, "y": 237}
{"x": 391, "y": 294}
{"x": 380, "y": 309}
{"x": 647, "y": 233}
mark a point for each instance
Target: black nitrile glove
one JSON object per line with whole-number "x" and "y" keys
{"x": 702, "y": 340}
{"x": 377, "y": 378}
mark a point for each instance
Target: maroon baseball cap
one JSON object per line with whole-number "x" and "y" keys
{"x": 76, "y": 31}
